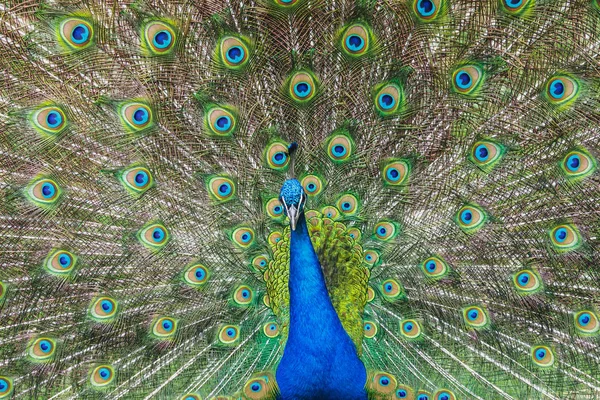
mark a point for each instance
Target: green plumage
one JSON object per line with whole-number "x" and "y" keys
{"x": 448, "y": 150}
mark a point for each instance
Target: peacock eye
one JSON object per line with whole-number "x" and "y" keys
{"x": 260, "y": 262}
{"x": 356, "y": 40}
{"x": 578, "y": 164}
{"x": 565, "y": 237}
{"x": 136, "y": 116}
{"x": 371, "y": 257}
{"x": 164, "y": 328}
{"x": 410, "y": 329}
{"x": 102, "y": 375}
{"x": 348, "y": 204}
{"x": 302, "y": 87}
{"x": 159, "y": 38}
{"x": 60, "y": 263}
{"x": 196, "y": 275}
{"x": 258, "y": 388}
{"x": 103, "y": 309}
{"x": 527, "y": 281}
{"x": 221, "y": 121}
{"x": 391, "y": 290}
{"x": 137, "y": 180}
{"x": 385, "y": 230}
{"x": 6, "y": 387}
{"x": 229, "y": 334}
{"x": 276, "y": 156}
{"x": 191, "y": 396}
{"x": 330, "y": 212}
{"x": 243, "y": 237}
{"x": 542, "y": 356}
{"x": 404, "y": 392}
{"x": 388, "y": 98}
{"x": 221, "y": 188}
{"x": 427, "y": 10}
{"x": 423, "y": 396}
{"x": 154, "y": 236}
{"x": 475, "y": 317}
{"x": 516, "y": 7}
{"x": 76, "y": 33}
{"x": 444, "y": 394}
{"x": 274, "y": 209}
{"x": 467, "y": 80}
{"x": 44, "y": 192}
{"x": 434, "y": 268}
{"x": 383, "y": 383}
{"x": 369, "y": 329}
{"x": 271, "y": 329}
{"x": 243, "y": 296}
{"x": 485, "y": 154}
{"x": 395, "y": 172}
{"x": 49, "y": 120}
{"x": 586, "y": 322}
{"x": 42, "y": 349}
{"x": 313, "y": 185}
{"x": 561, "y": 90}
{"x": 470, "y": 218}
{"x": 234, "y": 53}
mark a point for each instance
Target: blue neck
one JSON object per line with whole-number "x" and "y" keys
{"x": 319, "y": 358}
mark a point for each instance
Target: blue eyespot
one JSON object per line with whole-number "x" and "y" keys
{"x": 246, "y": 237}
{"x": 384, "y": 381}
{"x": 279, "y": 158}
{"x": 80, "y": 34}
{"x": 408, "y": 327}
{"x": 346, "y": 206}
{"x": 388, "y": 287}
{"x": 106, "y": 305}
{"x": 466, "y": 216}
{"x": 54, "y": 119}
{"x": 158, "y": 234}
{"x": 584, "y": 319}
{"x": 302, "y": 89}
{"x": 368, "y": 327}
{"x": 167, "y": 325}
{"x": 3, "y": 385}
{"x": 263, "y": 263}
{"x": 162, "y": 39}
{"x": 401, "y": 394}
{"x": 368, "y": 257}
{"x": 245, "y": 294}
{"x": 48, "y": 190}
{"x": 523, "y": 278}
{"x": 64, "y": 260}
{"x": 540, "y": 354}
{"x": 104, "y": 373}
{"x": 557, "y": 89}
{"x": 141, "y": 178}
{"x": 430, "y": 266}
{"x": 423, "y": 397}
{"x": 272, "y": 327}
{"x": 256, "y": 387}
{"x": 311, "y": 187}
{"x": 473, "y": 314}
{"x": 381, "y": 231}
{"x": 140, "y": 116}
{"x": 386, "y": 101}
{"x": 514, "y": 3}
{"x": 230, "y": 332}
{"x": 393, "y": 174}
{"x": 223, "y": 123}
{"x": 224, "y": 189}
{"x": 355, "y": 42}
{"x": 463, "y": 80}
{"x": 560, "y": 235}
{"x": 45, "y": 346}
{"x": 339, "y": 150}
{"x": 277, "y": 210}
{"x": 200, "y": 274}
{"x": 235, "y": 54}
{"x": 482, "y": 153}
{"x": 444, "y": 396}
{"x": 573, "y": 163}
{"x": 426, "y": 7}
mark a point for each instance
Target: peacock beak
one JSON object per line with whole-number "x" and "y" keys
{"x": 293, "y": 214}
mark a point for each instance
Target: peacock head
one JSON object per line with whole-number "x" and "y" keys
{"x": 293, "y": 198}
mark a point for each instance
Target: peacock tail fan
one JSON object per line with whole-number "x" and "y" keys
{"x": 448, "y": 150}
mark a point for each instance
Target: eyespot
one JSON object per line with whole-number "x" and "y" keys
{"x": 485, "y": 154}
{"x": 410, "y": 329}
{"x": 384, "y": 383}
{"x": 516, "y": 7}
{"x": 44, "y": 192}
{"x": 302, "y": 87}
{"x": 196, "y": 275}
{"x": 542, "y": 356}
{"x": 435, "y": 268}
{"x": 220, "y": 121}
{"x": 388, "y": 99}
{"x": 421, "y": 395}
{"x": 586, "y": 322}
{"x": 274, "y": 209}
{"x": 42, "y": 349}
{"x": 369, "y": 329}
{"x": 330, "y": 212}
{"x": 578, "y": 164}
{"x": 164, "y": 328}
{"x": 274, "y": 238}
{"x": 348, "y": 204}
{"x": 103, "y": 309}
{"x": 471, "y": 218}
{"x": 467, "y": 79}
{"x": 444, "y": 394}
{"x": 385, "y": 230}
{"x": 49, "y": 120}
{"x": 229, "y": 334}
{"x": 243, "y": 295}
{"x": 243, "y": 237}
{"x": 102, "y": 375}
{"x": 285, "y": 3}
{"x": 260, "y": 263}
{"x": 276, "y": 156}
{"x": 395, "y": 172}
{"x": 60, "y": 263}
{"x": 159, "y": 38}
{"x": 561, "y": 90}
{"x": 404, "y": 392}
{"x": 191, "y": 396}
{"x": 355, "y": 234}
{"x": 565, "y": 238}
{"x": 271, "y": 329}
{"x": 137, "y": 179}
{"x": 6, "y": 387}
{"x": 234, "y": 53}
{"x": 427, "y": 10}
{"x": 370, "y": 294}
{"x": 339, "y": 148}
{"x": 154, "y": 236}
{"x": 372, "y": 257}
{"x": 258, "y": 388}
{"x": 391, "y": 289}
{"x": 475, "y": 317}
{"x": 76, "y": 33}
{"x": 136, "y": 116}
{"x": 220, "y": 188}
{"x": 527, "y": 281}
{"x": 313, "y": 185}
{"x": 356, "y": 40}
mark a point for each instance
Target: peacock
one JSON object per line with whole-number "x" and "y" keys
{"x": 300, "y": 199}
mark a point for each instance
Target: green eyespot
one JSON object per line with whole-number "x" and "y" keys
{"x": 369, "y": 329}
{"x": 435, "y": 268}
{"x": 196, "y": 275}
{"x": 260, "y": 262}
{"x": 565, "y": 238}
{"x": 75, "y": 33}
{"x": 427, "y": 10}
{"x": 164, "y": 328}
{"x": 586, "y": 323}
{"x": 276, "y": 156}
{"x": 405, "y": 392}
{"x": 561, "y": 90}
{"x": 302, "y": 87}
{"x": 271, "y": 329}
{"x": 102, "y": 376}
{"x": 6, "y": 387}
{"x": 486, "y": 154}
{"x": 356, "y": 40}
{"x": 517, "y": 7}
{"x": 154, "y": 236}
{"x": 372, "y": 258}
{"x": 190, "y": 396}
{"x": 220, "y": 188}
{"x": 468, "y": 79}
{"x": 444, "y": 394}
{"x": 392, "y": 290}
{"x": 348, "y": 204}
{"x": 578, "y": 164}
{"x": 43, "y": 192}
{"x": 234, "y": 53}
{"x": 221, "y": 121}
{"x": 386, "y": 230}
{"x": 229, "y": 334}
{"x": 243, "y": 296}
{"x": 410, "y": 329}
{"x": 60, "y": 263}
{"x": 41, "y": 349}
{"x": 136, "y": 116}
{"x": 471, "y": 218}
{"x": 382, "y": 383}
{"x": 243, "y": 237}
{"x": 542, "y": 356}
{"x": 159, "y": 38}
{"x": 340, "y": 147}
{"x": 475, "y": 317}
{"x": 527, "y": 281}
{"x": 354, "y": 233}
{"x": 49, "y": 121}
{"x": 395, "y": 172}
{"x": 274, "y": 209}
{"x": 103, "y": 309}
{"x": 136, "y": 179}
{"x": 313, "y": 185}
{"x": 388, "y": 98}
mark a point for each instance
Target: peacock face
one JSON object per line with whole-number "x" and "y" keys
{"x": 293, "y": 198}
